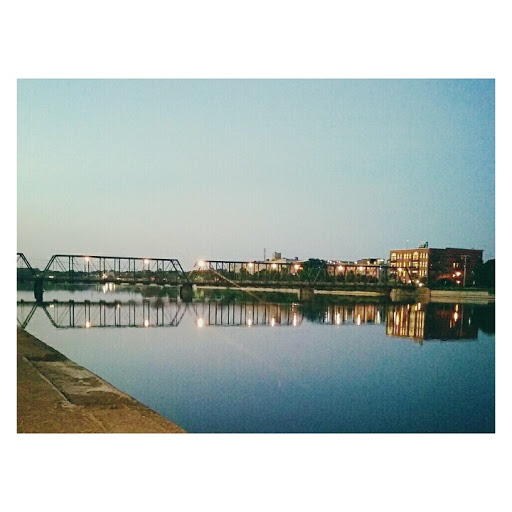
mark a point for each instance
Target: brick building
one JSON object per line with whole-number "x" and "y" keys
{"x": 425, "y": 265}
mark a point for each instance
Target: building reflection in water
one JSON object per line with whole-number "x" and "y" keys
{"x": 433, "y": 321}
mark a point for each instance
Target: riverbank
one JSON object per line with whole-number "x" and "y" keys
{"x": 462, "y": 296}
{"x": 55, "y": 395}
{"x": 465, "y": 296}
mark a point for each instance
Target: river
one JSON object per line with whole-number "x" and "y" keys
{"x": 233, "y": 363}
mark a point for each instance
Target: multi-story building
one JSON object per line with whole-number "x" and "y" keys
{"x": 425, "y": 265}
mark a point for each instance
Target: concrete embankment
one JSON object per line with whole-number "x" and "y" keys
{"x": 55, "y": 395}
{"x": 471, "y": 297}
{"x": 442, "y": 296}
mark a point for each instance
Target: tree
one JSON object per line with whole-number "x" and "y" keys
{"x": 485, "y": 274}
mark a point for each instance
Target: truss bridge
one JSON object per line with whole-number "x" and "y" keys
{"x": 304, "y": 278}
{"x": 86, "y": 269}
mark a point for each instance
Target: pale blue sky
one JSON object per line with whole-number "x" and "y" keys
{"x": 221, "y": 169}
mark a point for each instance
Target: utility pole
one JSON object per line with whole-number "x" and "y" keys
{"x": 465, "y": 258}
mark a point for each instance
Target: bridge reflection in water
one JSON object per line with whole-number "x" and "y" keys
{"x": 250, "y": 314}
{"x": 91, "y": 314}
{"x": 416, "y": 322}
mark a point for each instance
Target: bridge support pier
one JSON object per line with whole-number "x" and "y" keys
{"x": 306, "y": 294}
{"x": 38, "y": 290}
{"x": 186, "y": 292}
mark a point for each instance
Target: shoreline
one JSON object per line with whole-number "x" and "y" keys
{"x": 56, "y": 395}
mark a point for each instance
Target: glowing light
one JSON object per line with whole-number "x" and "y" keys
{"x": 341, "y": 268}
{"x": 458, "y": 274}
{"x": 274, "y": 266}
{"x": 104, "y": 276}
{"x": 146, "y": 323}
{"x": 296, "y": 267}
{"x": 200, "y": 322}
{"x": 86, "y": 258}
{"x": 273, "y": 322}
{"x": 455, "y": 316}
{"x": 338, "y": 319}
{"x": 294, "y": 319}
{"x": 250, "y": 265}
{"x": 249, "y": 322}
{"x": 201, "y": 264}
{"x": 87, "y": 324}
{"x": 146, "y": 261}
{"x": 358, "y": 319}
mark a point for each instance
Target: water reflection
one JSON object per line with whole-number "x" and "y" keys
{"x": 438, "y": 321}
{"x": 418, "y": 322}
{"x": 338, "y": 314}
{"x": 100, "y": 314}
{"x": 246, "y": 314}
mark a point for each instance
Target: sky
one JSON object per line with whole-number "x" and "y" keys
{"x": 233, "y": 169}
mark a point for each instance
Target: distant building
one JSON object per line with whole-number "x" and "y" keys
{"x": 371, "y": 261}
{"x": 277, "y": 258}
{"x": 425, "y": 265}
{"x": 361, "y": 271}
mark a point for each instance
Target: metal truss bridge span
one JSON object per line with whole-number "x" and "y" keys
{"x": 312, "y": 273}
{"x": 73, "y": 268}
{"x": 87, "y": 269}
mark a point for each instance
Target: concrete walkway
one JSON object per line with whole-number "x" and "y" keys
{"x": 55, "y": 395}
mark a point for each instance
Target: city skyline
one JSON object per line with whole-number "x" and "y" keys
{"x": 225, "y": 169}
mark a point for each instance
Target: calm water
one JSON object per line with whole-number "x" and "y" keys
{"x": 233, "y": 366}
